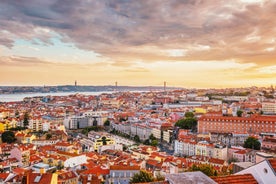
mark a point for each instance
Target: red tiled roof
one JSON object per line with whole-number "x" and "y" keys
{"x": 34, "y": 158}
{"x": 67, "y": 153}
{"x": 120, "y": 167}
{"x": 273, "y": 163}
{"x": 66, "y": 176}
{"x": 236, "y": 179}
{"x": 19, "y": 170}
{"x": 63, "y": 144}
{"x": 252, "y": 118}
{"x": 240, "y": 152}
{"x": 45, "y": 178}
{"x": 154, "y": 163}
{"x": 216, "y": 161}
{"x": 3, "y": 176}
{"x": 97, "y": 171}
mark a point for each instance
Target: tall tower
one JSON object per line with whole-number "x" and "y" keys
{"x": 75, "y": 83}
{"x": 116, "y": 85}
{"x": 165, "y": 83}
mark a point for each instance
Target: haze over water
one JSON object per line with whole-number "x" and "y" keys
{"x": 21, "y": 96}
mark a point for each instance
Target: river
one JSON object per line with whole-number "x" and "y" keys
{"x": 21, "y": 96}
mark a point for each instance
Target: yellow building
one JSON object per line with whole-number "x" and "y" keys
{"x": 24, "y": 138}
{"x": 29, "y": 139}
{"x": 2, "y": 126}
{"x": 7, "y": 124}
{"x": 200, "y": 110}
{"x": 100, "y": 139}
{"x": 54, "y": 160}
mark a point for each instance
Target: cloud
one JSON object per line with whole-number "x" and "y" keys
{"x": 22, "y": 61}
{"x": 137, "y": 69}
{"x": 125, "y": 31}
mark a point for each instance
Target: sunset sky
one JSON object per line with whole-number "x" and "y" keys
{"x": 187, "y": 43}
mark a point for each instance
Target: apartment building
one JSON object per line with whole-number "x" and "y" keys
{"x": 233, "y": 139}
{"x": 35, "y": 124}
{"x": 141, "y": 130}
{"x": 269, "y": 108}
{"x": 202, "y": 148}
{"x": 223, "y": 124}
{"x": 100, "y": 139}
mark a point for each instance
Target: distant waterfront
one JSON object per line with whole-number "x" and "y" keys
{"x": 21, "y": 96}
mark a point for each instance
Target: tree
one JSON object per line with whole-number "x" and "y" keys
{"x": 107, "y": 123}
{"x": 230, "y": 160}
{"x": 188, "y": 123}
{"x": 84, "y": 131}
{"x": 147, "y": 142}
{"x": 26, "y": 119}
{"x": 8, "y": 137}
{"x": 253, "y": 143}
{"x": 104, "y": 140}
{"x": 154, "y": 143}
{"x": 48, "y": 136}
{"x": 189, "y": 115}
{"x": 159, "y": 177}
{"x": 17, "y": 114}
{"x": 206, "y": 169}
{"x": 60, "y": 166}
{"x": 141, "y": 177}
{"x": 151, "y": 137}
{"x": 239, "y": 113}
{"x": 137, "y": 138}
{"x": 50, "y": 162}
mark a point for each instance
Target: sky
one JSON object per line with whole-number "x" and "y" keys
{"x": 187, "y": 43}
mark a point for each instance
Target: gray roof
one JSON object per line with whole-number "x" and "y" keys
{"x": 189, "y": 178}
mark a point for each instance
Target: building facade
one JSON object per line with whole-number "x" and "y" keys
{"x": 224, "y": 124}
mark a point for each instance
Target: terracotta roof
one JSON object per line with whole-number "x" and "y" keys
{"x": 154, "y": 163}
{"x": 63, "y": 144}
{"x": 66, "y": 176}
{"x": 236, "y": 179}
{"x": 67, "y": 153}
{"x": 272, "y": 162}
{"x": 34, "y": 158}
{"x": 97, "y": 171}
{"x": 216, "y": 161}
{"x": 240, "y": 152}
{"x": 120, "y": 167}
{"x": 241, "y": 119}
{"x": 19, "y": 170}
{"x": 35, "y": 178}
{"x": 4, "y": 176}
{"x": 268, "y": 139}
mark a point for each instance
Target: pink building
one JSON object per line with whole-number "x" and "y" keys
{"x": 269, "y": 143}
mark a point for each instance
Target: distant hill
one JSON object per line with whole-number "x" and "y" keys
{"x": 72, "y": 88}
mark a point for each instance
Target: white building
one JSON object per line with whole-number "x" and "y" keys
{"x": 75, "y": 161}
{"x": 269, "y": 108}
{"x": 43, "y": 142}
{"x": 264, "y": 172}
{"x": 203, "y": 148}
{"x": 141, "y": 130}
{"x": 156, "y": 132}
{"x": 167, "y": 135}
{"x": 190, "y": 148}
{"x": 184, "y": 148}
{"x": 121, "y": 140}
{"x": 46, "y": 126}
{"x": 35, "y": 124}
